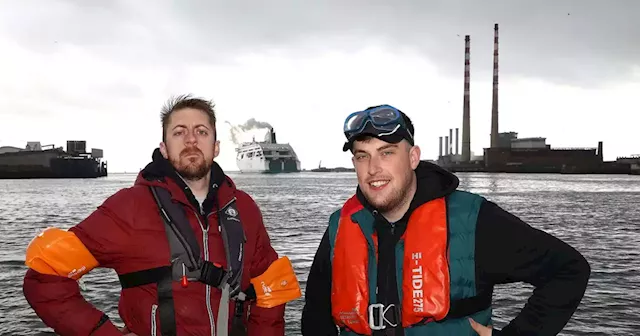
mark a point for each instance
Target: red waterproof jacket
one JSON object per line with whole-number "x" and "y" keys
{"x": 126, "y": 233}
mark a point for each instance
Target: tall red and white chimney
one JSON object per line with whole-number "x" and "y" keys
{"x": 466, "y": 122}
{"x": 494, "y": 99}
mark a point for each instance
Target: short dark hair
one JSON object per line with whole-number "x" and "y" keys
{"x": 187, "y": 101}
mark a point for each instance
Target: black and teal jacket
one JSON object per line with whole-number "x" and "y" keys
{"x": 488, "y": 246}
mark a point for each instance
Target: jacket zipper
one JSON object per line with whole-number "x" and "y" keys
{"x": 154, "y": 308}
{"x": 205, "y": 245}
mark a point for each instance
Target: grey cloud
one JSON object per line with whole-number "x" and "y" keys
{"x": 579, "y": 42}
{"x": 575, "y": 42}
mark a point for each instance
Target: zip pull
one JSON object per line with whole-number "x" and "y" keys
{"x": 185, "y": 282}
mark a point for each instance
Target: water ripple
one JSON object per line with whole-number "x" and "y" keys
{"x": 598, "y": 215}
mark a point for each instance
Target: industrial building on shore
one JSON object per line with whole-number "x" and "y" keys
{"x": 509, "y": 154}
{"x": 37, "y": 161}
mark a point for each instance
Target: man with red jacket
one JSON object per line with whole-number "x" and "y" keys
{"x": 163, "y": 292}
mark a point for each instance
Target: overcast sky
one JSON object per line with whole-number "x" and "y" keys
{"x": 86, "y": 70}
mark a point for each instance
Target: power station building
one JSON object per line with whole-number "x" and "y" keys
{"x": 507, "y": 152}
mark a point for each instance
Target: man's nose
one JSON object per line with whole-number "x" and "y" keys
{"x": 374, "y": 165}
{"x": 190, "y": 137}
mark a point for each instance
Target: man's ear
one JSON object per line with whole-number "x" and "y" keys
{"x": 414, "y": 157}
{"x": 163, "y": 150}
{"x": 216, "y": 149}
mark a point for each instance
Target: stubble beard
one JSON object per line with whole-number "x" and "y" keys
{"x": 394, "y": 199}
{"x": 194, "y": 168}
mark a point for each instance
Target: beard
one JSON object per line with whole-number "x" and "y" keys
{"x": 394, "y": 198}
{"x": 190, "y": 166}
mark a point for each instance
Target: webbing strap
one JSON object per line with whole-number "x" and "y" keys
{"x": 162, "y": 277}
{"x": 239, "y": 328}
{"x": 165, "y": 305}
{"x": 144, "y": 277}
{"x": 223, "y": 312}
{"x": 458, "y": 309}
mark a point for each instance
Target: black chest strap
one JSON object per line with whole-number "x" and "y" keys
{"x": 388, "y": 318}
{"x": 186, "y": 263}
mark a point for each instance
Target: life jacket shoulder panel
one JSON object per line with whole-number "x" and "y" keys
{"x": 425, "y": 274}
{"x": 349, "y": 294}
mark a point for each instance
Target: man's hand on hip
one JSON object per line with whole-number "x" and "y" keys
{"x": 480, "y": 329}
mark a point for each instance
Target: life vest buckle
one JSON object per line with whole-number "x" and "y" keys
{"x": 377, "y": 312}
{"x": 213, "y": 274}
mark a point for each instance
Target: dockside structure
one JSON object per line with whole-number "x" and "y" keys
{"x": 37, "y": 161}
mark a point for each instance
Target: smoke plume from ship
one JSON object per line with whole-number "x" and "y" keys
{"x": 237, "y": 130}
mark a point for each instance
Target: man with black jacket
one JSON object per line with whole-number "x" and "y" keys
{"x": 409, "y": 254}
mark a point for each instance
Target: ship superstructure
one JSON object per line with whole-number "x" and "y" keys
{"x": 267, "y": 156}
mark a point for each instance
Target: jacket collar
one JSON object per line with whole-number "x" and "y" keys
{"x": 161, "y": 173}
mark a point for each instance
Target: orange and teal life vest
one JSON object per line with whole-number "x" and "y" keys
{"x": 435, "y": 268}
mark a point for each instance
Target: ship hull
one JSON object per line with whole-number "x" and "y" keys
{"x": 272, "y": 166}
{"x": 46, "y": 164}
{"x": 269, "y": 157}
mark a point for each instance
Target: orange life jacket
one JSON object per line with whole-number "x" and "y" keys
{"x": 425, "y": 272}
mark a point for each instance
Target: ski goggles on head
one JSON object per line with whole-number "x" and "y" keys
{"x": 384, "y": 122}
